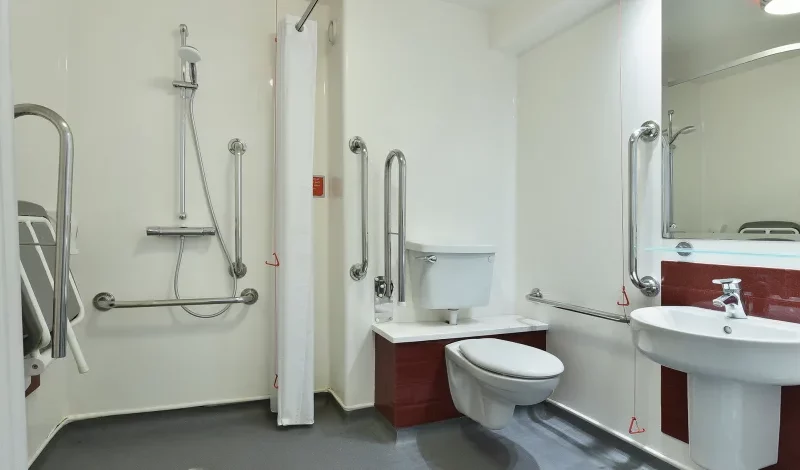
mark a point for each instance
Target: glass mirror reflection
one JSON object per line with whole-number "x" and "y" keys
{"x": 731, "y": 103}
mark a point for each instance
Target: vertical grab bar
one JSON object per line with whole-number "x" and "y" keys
{"x": 384, "y": 287}
{"x": 184, "y": 32}
{"x": 63, "y": 221}
{"x": 359, "y": 147}
{"x": 648, "y": 133}
{"x": 237, "y": 148}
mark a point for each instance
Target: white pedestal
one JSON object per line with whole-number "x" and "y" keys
{"x": 733, "y": 425}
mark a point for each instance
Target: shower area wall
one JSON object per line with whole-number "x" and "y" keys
{"x": 108, "y": 69}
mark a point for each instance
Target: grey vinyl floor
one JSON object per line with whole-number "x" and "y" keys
{"x": 245, "y": 437}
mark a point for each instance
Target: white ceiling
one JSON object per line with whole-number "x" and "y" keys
{"x": 485, "y": 5}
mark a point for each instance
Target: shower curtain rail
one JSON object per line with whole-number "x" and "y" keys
{"x": 105, "y": 301}
{"x": 302, "y": 22}
{"x": 536, "y": 297}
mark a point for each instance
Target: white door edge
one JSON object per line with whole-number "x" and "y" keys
{"x": 13, "y": 445}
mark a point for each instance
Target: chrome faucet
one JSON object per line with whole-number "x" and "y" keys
{"x": 731, "y": 298}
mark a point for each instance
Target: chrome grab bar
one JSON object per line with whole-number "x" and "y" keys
{"x": 359, "y": 147}
{"x": 648, "y": 133}
{"x": 63, "y": 221}
{"x": 384, "y": 287}
{"x": 237, "y": 148}
{"x": 537, "y": 297}
{"x": 302, "y": 22}
{"x": 105, "y": 301}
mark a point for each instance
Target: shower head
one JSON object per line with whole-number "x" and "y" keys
{"x": 685, "y": 130}
{"x": 189, "y": 57}
{"x": 189, "y": 54}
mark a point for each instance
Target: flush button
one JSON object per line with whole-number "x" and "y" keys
{"x": 728, "y": 330}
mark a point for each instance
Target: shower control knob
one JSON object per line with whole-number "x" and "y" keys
{"x": 237, "y": 147}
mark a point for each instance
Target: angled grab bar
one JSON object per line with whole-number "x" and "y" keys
{"x": 359, "y": 147}
{"x": 648, "y": 133}
{"x": 63, "y": 221}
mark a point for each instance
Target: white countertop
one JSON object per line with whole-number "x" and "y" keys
{"x": 466, "y": 328}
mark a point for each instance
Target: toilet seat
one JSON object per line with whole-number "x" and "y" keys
{"x": 511, "y": 359}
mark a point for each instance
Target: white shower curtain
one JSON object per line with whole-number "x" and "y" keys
{"x": 295, "y": 96}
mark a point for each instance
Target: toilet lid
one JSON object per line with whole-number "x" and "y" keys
{"x": 511, "y": 359}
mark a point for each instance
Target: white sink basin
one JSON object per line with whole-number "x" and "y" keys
{"x": 736, "y": 369}
{"x": 694, "y": 340}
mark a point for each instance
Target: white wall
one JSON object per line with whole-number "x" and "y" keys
{"x": 742, "y": 157}
{"x": 574, "y": 124}
{"x": 431, "y": 86}
{"x": 518, "y": 25}
{"x": 108, "y": 69}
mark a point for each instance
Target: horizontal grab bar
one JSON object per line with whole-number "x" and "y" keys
{"x": 105, "y": 301}
{"x": 537, "y": 297}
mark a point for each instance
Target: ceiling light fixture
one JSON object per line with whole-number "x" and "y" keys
{"x": 781, "y": 7}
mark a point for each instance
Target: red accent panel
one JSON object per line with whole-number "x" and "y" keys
{"x": 788, "y": 451}
{"x": 769, "y": 293}
{"x": 384, "y": 377}
{"x": 411, "y": 384}
{"x": 674, "y": 397}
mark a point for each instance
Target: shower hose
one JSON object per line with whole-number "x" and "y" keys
{"x": 210, "y": 206}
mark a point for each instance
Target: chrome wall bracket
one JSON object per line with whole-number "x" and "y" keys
{"x": 383, "y": 290}
{"x": 238, "y": 269}
{"x": 684, "y": 248}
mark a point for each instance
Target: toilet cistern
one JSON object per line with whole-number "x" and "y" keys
{"x": 450, "y": 276}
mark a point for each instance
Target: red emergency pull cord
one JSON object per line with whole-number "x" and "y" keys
{"x": 276, "y": 263}
{"x": 634, "y": 428}
{"x": 626, "y": 302}
{"x": 275, "y": 383}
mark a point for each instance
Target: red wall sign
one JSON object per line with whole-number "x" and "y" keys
{"x": 319, "y": 186}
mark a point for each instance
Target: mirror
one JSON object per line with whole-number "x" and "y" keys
{"x": 731, "y": 124}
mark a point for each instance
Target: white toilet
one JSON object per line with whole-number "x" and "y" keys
{"x": 488, "y": 377}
